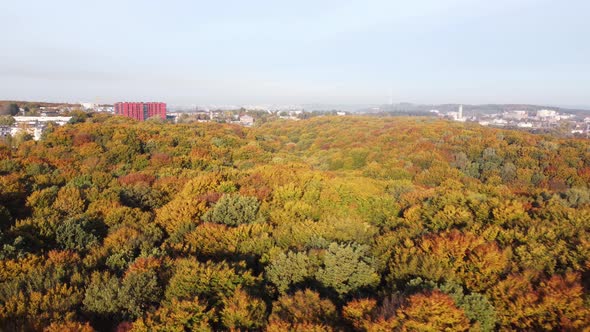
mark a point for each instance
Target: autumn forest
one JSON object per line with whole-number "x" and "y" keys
{"x": 324, "y": 224}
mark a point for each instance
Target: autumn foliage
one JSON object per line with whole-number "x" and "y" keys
{"x": 325, "y": 224}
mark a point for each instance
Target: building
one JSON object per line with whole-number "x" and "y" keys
{"x": 34, "y": 125}
{"x": 88, "y": 106}
{"x": 546, "y": 113}
{"x": 499, "y": 122}
{"x": 457, "y": 116}
{"x": 35, "y": 120}
{"x": 246, "y": 120}
{"x": 141, "y": 111}
{"x": 515, "y": 115}
{"x": 4, "y": 130}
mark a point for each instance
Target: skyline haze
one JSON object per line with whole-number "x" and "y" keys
{"x": 265, "y": 52}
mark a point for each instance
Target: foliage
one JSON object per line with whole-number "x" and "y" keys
{"x": 11, "y": 109}
{"x": 346, "y": 268}
{"x": 286, "y": 270}
{"x": 185, "y": 315}
{"x": 78, "y": 233}
{"x": 476, "y": 306}
{"x": 6, "y": 120}
{"x": 324, "y": 224}
{"x": 233, "y": 210}
{"x": 431, "y": 312}
{"x": 103, "y": 296}
{"x": 140, "y": 290}
{"x": 242, "y": 311}
{"x": 212, "y": 281}
{"x": 303, "y": 307}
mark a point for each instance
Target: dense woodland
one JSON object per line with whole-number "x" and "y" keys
{"x": 326, "y": 224}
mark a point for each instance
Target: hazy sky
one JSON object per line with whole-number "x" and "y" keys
{"x": 304, "y": 51}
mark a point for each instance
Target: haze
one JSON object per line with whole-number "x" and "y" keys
{"x": 236, "y": 52}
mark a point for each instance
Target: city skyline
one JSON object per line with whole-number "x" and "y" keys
{"x": 260, "y": 52}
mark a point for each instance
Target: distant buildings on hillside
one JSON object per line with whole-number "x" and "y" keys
{"x": 213, "y": 116}
{"x": 33, "y": 125}
{"x": 531, "y": 119}
{"x": 246, "y": 120}
{"x": 141, "y": 111}
{"x": 97, "y": 107}
{"x": 457, "y": 116}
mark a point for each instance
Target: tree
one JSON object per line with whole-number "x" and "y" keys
{"x": 522, "y": 302}
{"x": 153, "y": 226}
{"x": 142, "y": 196}
{"x": 242, "y": 311}
{"x": 178, "y": 315}
{"x": 41, "y": 201}
{"x": 576, "y": 197}
{"x": 69, "y": 326}
{"x": 78, "y": 233}
{"x": 365, "y": 315}
{"x": 452, "y": 256}
{"x": 210, "y": 281}
{"x": 6, "y": 120}
{"x": 140, "y": 290}
{"x": 432, "y": 311}
{"x": 288, "y": 269}
{"x": 103, "y": 296}
{"x": 346, "y": 268}
{"x": 233, "y": 210}
{"x": 477, "y": 307}
{"x": 21, "y": 137}
{"x": 69, "y": 201}
{"x": 301, "y": 309}
{"x": 12, "y": 109}
{"x": 38, "y": 309}
{"x": 78, "y": 116}
{"x": 185, "y": 210}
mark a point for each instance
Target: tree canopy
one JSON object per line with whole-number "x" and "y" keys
{"x": 324, "y": 224}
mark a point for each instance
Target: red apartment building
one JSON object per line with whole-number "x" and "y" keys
{"x": 141, "y": 111}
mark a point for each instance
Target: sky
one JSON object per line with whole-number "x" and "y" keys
{"x": 296, "y": 52}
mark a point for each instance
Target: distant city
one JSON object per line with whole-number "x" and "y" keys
{"x": 33, "y": 120}
{"x": 539, "y": 119}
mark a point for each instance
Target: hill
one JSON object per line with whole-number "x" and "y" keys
{"x": 472, "y": 109}
{"x": 331, "y": 223}
{"x": 32, "y": 105}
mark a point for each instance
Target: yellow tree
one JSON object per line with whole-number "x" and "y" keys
{"x": 432, "y": 311}
{"x": 242, "y": 311}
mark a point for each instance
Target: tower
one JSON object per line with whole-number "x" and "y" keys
{"x": 460, "y": 114}
{"x": 391, "y": 99}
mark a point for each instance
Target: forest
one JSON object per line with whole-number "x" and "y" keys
{"x": 325, "y": 224}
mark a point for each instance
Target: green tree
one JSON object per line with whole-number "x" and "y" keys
{"x": 346, "y": 268}
{"x": 476, "y": 306}
{"x": 288, "y": 269}
{"x": 12, "y": 109}
{"x": 6, "y": 120}
{"x": 78, "y": 233}
{"x": 142, "y": 196}
{"x": 210, "y": 280}
{"x": 140, "y": 290}
{"x": 576, "y": 197}
{"x": 233, "y": 210}
{"x": 102, "y": 297}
